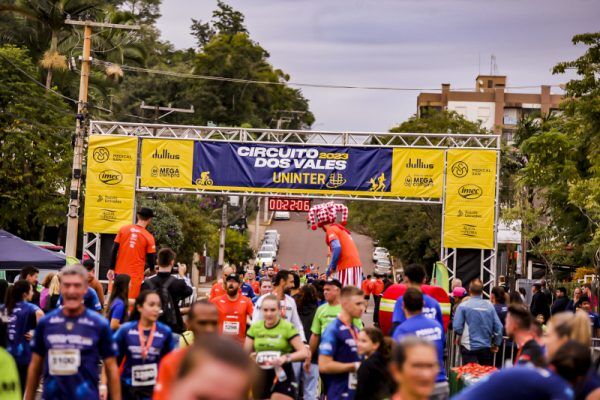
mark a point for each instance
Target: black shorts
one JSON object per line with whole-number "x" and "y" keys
{"x": 266, "y": 386}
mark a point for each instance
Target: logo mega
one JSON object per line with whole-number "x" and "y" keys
{"x": 470, "y": 191}
{"x": 110, "y": 177}
{"x": 165, "y": 154}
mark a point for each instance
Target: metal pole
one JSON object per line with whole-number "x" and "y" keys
{"x": 257, "y": 225}
{"x": 266, "y": 210}
{"x": 73, "y": 213}
{"x": 223, "y": 235}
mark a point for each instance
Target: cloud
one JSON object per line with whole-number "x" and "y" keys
{"x": 409, "y": 43}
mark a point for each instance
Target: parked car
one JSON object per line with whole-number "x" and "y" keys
{"x": 281, "y": 215}
{"x": 383, "y": 266}
{"x": 270, "y": 248}
{"x": 271, "y": 242}
{"x": 264, "y": 259}
{"x": 272, "y": 232}
{"x": 379, "y": 253}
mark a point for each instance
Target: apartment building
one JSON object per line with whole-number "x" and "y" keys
{"x": 490, "y": 102}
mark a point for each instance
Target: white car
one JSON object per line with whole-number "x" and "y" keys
{"x": 271, "y": 242}
{"x": 383, "y": 267}
{"x": 269, "y": 249}
{"x": 281, "y": 215}
{"x": 264, "y": 259}
{"x": 272, "y": 232}
{"x": 380, "y": 253}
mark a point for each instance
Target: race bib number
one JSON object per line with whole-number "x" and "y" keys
{"x": 231, "y": 328}
{"x": 263, "y": 357}
{"x": 352, "y": 380}
{"x": 144, "y": 375}
{"x": 62, "y": 362}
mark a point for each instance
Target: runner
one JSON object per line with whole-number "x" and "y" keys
{"x": 22, "y": 319}
{"x": 141, "y": 344}
{"x": 247, "y": 287}
{"x": 414, "y": 367}
{"x": 266, "y": 287}
{"x": 283, "y": 283}
{"x": 118, "y": 302}
{"x": 338, "y": 354}
{"x": 9, "y": 377}
{"x": 134, "y": 250}
{"x": 203, "y": 319}
{"x": 90, "y": 300}
{"x": 235, "y": 309}
{"x": 219, "y": 288}
{"x": 417, "y": 324}
{"x": 345, "y": 262}
{"x": 275, "y": 343}
{"x": 69, "y": 343}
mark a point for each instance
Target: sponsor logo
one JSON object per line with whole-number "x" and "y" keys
{"x": 469, "y": 230}
{"x": 165, "y": 154}
{"x": 468, "y": 214}
{"x": 108, "y": 215}
{"x": 459, "y": 169}
{"x": 418, "y": 181}
{"x": 470, "y": 191}
{"x": 110, "y": 177}
{"x": 108, "y": 199}
{"x": 101, "y": 154}
{"x": 418, "y": 164}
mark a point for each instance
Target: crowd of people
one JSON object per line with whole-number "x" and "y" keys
{"x": 276, "y": 333}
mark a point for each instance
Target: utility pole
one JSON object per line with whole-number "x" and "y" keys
{"x": 257, "y": 224}
{"x": 157, "y": 109}
{"x": 221, "y": 260}
{"x": 73, "y": 213}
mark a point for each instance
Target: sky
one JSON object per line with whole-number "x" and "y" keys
{"x": 399, "y": 43}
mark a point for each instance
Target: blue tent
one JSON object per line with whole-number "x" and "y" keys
{"x": 16, "y": 253}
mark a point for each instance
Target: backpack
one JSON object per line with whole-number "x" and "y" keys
{"x": 168, "y": 315}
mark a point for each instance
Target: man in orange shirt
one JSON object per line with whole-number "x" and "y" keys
{"x": 235, "y": 310}
{"x": 378, "y": 288}
{"x": 345, "y": 264}
{"x": 220, "y": 286}
{"x": 134, "y": 250}
{"x": 203, "y": 319}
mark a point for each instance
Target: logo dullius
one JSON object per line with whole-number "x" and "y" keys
{"x": 165, "y": 154}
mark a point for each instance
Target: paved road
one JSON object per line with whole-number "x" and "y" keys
{"x": 300, "y": 245}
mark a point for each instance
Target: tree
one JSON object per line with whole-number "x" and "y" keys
{"x": 413, "y": 234}
{"x": 36, "y": 148}
{"x": 226, "y": 21}
{"x": 166, "y": 227}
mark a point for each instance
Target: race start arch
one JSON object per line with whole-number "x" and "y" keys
{"x": 458, "y": 171}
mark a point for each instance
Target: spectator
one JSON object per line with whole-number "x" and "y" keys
{"x": 425, "y": 328}
{"x": 414, "y": 276}
{"x": 3, "y": 290}
{"x": 414, "y": 367}
{"x": 31, "y": 274}
{"x": 170, "y": 290}
{"x": 308, "y": 377}
{"x": 118, "y": 303}
{"x": 574, "y": 304}
{"x": 53, "y": 293}
{"x": 523, "y": 294}
{"x": 456, "y": 282}
{"x": 374, "y": 379}
{"x": 518, "y": 328}
{"x": 547, "y": 292}
{"x": 182, "y": 274}
{"x": 594, "y": 319}
{"x": 498, "y": 299}
{"x": 569, "y": 367}
{"x": 561, "y": 303}
{"x": 203, "y": 321}
{"x": 477, "y": 317}
{"x": 45, "y": 293}
{"x": 92, "y": 281}
{"x": 214, "y": 368}
{"x": 515, "y": 298}
{"x": 220, "y": 287}
{"x": 586, "y": 289}
{"x": 133, "y": 251}
{"x": 539, "y": 302}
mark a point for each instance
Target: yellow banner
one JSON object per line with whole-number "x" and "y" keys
{"x": 418, "y": 172}
{"x": 110, "y": 183}
{"x": 167, "y": 163}
{"x": 469, "y": 202}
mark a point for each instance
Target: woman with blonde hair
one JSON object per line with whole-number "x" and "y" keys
{"x": 53, "y": 293}
{"x": 566, "y": 326}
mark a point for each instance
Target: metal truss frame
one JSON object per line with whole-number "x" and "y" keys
{"x": 322, "y": 138}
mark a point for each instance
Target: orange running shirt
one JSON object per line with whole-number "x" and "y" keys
{"x": 216, "y": 290}
{"x": 167, "y": 372}
{"x": 349, "y": 255}
{"x": 233, "y": 315}
{"x": 134, "y": 243}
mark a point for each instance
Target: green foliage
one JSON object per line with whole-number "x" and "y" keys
{"x": 166, "y": 227}
{"x": 439, "y": 122}
{"x": 35, "y": 155}
{"x": 226, "y": 21}
{"x": 237, "y": 248}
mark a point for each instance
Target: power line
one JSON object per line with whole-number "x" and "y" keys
{"x": 279, "y": 83}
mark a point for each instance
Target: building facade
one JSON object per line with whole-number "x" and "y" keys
{"x": 498, "y": 110}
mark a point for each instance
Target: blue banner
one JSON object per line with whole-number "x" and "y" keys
{"x": 318, "y": 169}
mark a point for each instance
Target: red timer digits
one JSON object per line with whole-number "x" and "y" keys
{"x": 299, "y": 205}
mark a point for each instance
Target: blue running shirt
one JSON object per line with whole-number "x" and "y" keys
{"x": 136, "y": 372}
{"x": 427, "y": 329}
{"x": 117, "y": 310}
{"x": 90, "y": 300}
{"x": 72, "y": 349}
{"x": 21, "y": 321}
{"x": 431, "y": 309}
{"x": 339, "y": 343}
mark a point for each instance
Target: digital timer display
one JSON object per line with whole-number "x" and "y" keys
{"x": 298, "y": 205}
